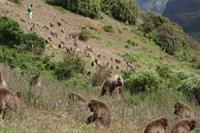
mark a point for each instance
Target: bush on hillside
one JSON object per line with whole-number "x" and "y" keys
{"x": 10, "y": 32}
{"x": 71, "y": 65}
{"x": 191, "y": 88}
{"x": 87, "y": 8}
{"x": 84, "y": 35}
{"x": 141, "y": 82}
{"x": 169, "y": 36}
{"x": 12, "y": 35}
{"x": 34, "y": 43}
{"x": 25, "y": 60}
{"x": 122, "y": 10}
{"x": 109, "y": 28}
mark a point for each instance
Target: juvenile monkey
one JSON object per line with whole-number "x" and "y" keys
{"x": 35, "y": 81}
{"x": 76, "y": 97}
{"x": 184, "y": 126}
{"x": 157, "y": 126}
{"x": 111, "y": 84}
{"x": 9, "y": 100}
{"x": 101, "y": 114}
{"x": 2, "y": 82}
{"x": 183, "y": 111}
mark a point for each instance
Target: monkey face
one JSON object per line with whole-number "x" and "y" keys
{"x": 177, "y": 108}
{"x": 119, "y": 82}
{"x": 91, "y": 106}
{"x": 164, "y": 122}
{"x": 192, "y": 124}
{"x": 90, "y": 119}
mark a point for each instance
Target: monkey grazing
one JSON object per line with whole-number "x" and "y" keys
{"x": 35, "y": 81}
{"x": 157, "y": 126}
{"x": 183, "y": 111}
{"x": 77, "y": 97}
{"x": 8, "y": 100}
{"x": 184, "y": 126}
{"x": 101, "y": 114}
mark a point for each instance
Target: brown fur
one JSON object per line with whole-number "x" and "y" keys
{"x": 8, "y": 100}
{"x": 157, "y": 126}
{"x": 183, "y": 111}
{"x": 2, "y": 81}
{"x": 77, "y": 97}
{"x": 35, "y": 81}
{"x": 101, "y": 114}
{"x": 184, "y": 126}
{"x": 111, "y": 84}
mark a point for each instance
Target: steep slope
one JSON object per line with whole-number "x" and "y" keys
{"x": 157, "y": 6}
{"x": 185, "y": 13}
{"x": 55, "y": 112}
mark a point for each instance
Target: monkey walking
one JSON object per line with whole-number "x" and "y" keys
{"x": 112, "y": 84}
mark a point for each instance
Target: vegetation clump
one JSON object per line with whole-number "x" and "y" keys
{"x": 191, "y": 88}
{"x": 169, "y": 36}
{"x": 123, "y": 10}
{"x": 12, "y": 36}
{"x": 87, "y": 8}
{"x": 69, "y": 67}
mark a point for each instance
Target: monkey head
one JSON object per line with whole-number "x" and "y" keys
{"x": 91, "y": 119}
{"x": 91, "y": 105}
{"x": 192, "y": 124}
{"x": 18, "y": 94}
{"x": 177, "y": 108}
{"x": 119, "y": 81}
{"x": 164, "y": 122}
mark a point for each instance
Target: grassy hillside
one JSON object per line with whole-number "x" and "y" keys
{"x": 155, "y": 82}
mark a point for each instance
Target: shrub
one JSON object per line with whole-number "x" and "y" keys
{"x": 131, "y": 43}
{"x": 10, "y": 32}
{"x": 34, "y": 43}
{"x": 108, "y": 28}
{"x": 163, "y": 71}
{"x": 122, "y": 10}
{"x": 84, "y": 35}
{"x": 87, "y": 8}
{"x": 141, "y": 82}
{"x": 12, "y": 35}
{"x": 169, "y": 36}
{"x": 100, "y": 75}
{"x": 71, "y": 65}
{"x": 25, "y": 60}
{"x": 191, "y": 88}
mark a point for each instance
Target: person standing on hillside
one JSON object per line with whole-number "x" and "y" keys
{"x": 30, "y": 11}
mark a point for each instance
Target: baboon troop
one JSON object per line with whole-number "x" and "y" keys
{"x": 184, "y": 126}
{"x": 101, "y": 114}
{"x": 2, "y": 81}
{"x": 157, "y": 126}
{"x": 111, "y": 84}
{"x": 9, "y": 100}
{"x": 35, "y": 82}
{"x": 183, "y": 111}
